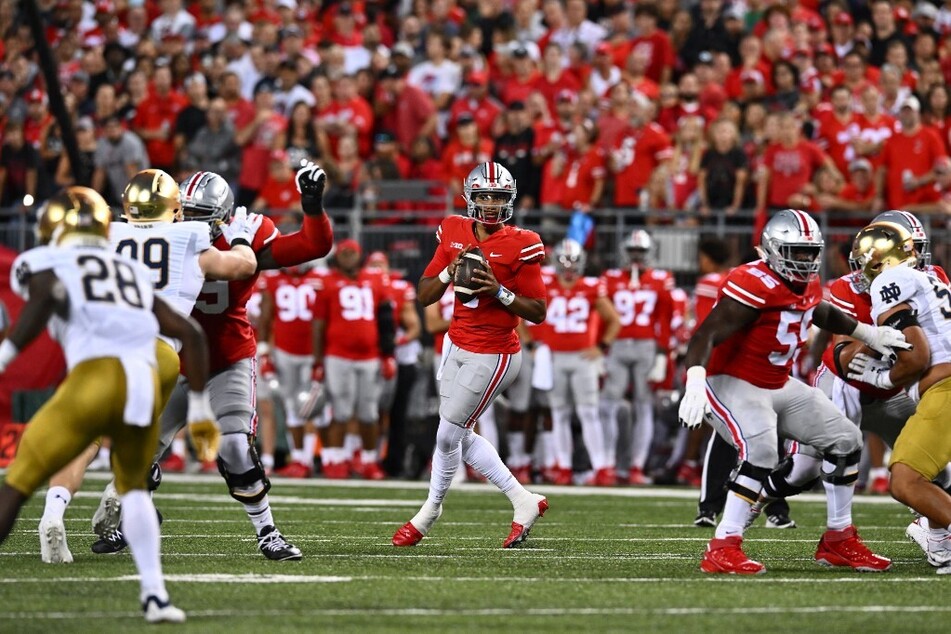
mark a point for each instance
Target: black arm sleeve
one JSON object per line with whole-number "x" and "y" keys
{"x": 386, "y": 327}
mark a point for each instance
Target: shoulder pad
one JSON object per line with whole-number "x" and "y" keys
{"x": 751, "y": 285}
{"x": 532, "y": 249}
{"x": 35, "y": 260}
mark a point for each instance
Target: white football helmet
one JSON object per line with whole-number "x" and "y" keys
{"x": 570, "y": 258}
{"x": 494, "y": 182}
{"x": 792, "y": 245}
{"x": 918, "y": 236}
{"x": 637, "y": 247}
{"x": 207, "y": 197}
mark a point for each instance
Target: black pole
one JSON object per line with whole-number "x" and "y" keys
{"x": 56, "y": 101}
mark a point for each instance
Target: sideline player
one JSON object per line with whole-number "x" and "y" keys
{"x": 179, "y": 256}
{"x": 102, "y": 308}
{"x": 919, "y": 305}
{"x": 220, "y": 310}
{"x": 484, "y": 357}
{"x": 749, "y": 342}
{"x": 575, "y": 302}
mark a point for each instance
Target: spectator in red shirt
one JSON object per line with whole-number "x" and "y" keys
{"x": 155, "y": 120}
{"x": 476, "y": 102}
{"x": 550, "y": 141}
{"x": 856, "y": 196}
{"x": 615, "y": 119}
{"x": 258, "y": 136}
{"x": 522, "y": 81}
{"x": 279, "y": 192}
{"x": 582, "y": 168}
{"x": 837, "y": 127}
{"x": 348, "y": 114}
{"x": 788, "y": 166}
{"x": 403, "y": 108}
{"x": 937, "y": 114}
{"x": 554, "y": 79}
{"x": 907, "y": 173}
{"x": 684, "y": 165}
{"x": 654, "y": 42}
{"x": 640, "y": 149}
{"x": 604, "y": 74}
{"x": 635, "y": 74}
{"x": 462, "y": 155}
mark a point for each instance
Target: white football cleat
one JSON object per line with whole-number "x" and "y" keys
{"x": 53, "y": 549}
{"x": 157, "y": 611}
{"x": 917, "y": 532}
{"x": 527, "y": 511}
{"x": 106, "y": 518}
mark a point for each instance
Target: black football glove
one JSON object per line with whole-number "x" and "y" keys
{"x": 311, "y": 180}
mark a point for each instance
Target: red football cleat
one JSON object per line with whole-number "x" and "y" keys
{"x": 636, "y": 477}
{"x": 606, "y": 477}
{"x": 336, "y": 471}
{"x": 726, "y": 556}
{"x": 297, "y": 470}
{"x": 689, "y": 474}
{"x": 371, "y": 471}
{"x": 845, "y": 548}
{"x": 173, "y": 464}
{"x": 407, "y": 535}
{"x": 522, "y": 474}
{"x": 528, "y": 517}
{"x": 879, "y": 486}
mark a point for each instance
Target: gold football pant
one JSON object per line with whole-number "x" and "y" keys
{"x": 924, "y": 444}
{"x": 88, "y": 404}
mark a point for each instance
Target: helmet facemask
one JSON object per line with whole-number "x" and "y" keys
{"x": 491, "y": 206}
{"x": 797, "y": 263}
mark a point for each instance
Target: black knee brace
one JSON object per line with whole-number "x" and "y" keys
{"x": 846, "y": 468}
{"x": 746, "y": 469}
{"x": 250, "y": 478}
{"x": 776, "y": 485}
{"x": 155, "y": 477}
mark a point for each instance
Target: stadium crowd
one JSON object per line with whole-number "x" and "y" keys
{"x": 693, "y": 107}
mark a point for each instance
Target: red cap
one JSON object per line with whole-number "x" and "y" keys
{"x": 815, "y": 23}
{"x": 566, "y": 95}
{"x": 279, "y": 155}
{"x": 36, "y": 96}
{"x": 842, "y": 18}
{"x": 105, "y": 6}
{"x": 804, "y": 50}
{"x": 603, "y": 48}
{"x": 752, "y": 75}
{"x": 901, "y": 13}
{"x": 349, "y": 245}
{"x": 479, "y": 77}
{"x": 825, "y": 49}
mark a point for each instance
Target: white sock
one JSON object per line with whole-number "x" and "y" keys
{"x": 549, "y": 445}
{"x": 267, "y": 460}
{"x": 57, "y": 500}
{"x": 179, "y": 448}
{"x": 368, "y": 456}
{"x": 561, "y": 427}
{"x": 838, "y": 498}
{"x": 260, "y": 514}
{"x": 517, "y": 456}
{"x": 593, "y": 435}
{"x": 333, "y": 455}
{"x": 299, "y": 455}
{"x": 609, "y": 424}
{"x": 352, "y": 443}
{"x": 487, "y": 427}
{"x": 643, "y": 433}
{"x": 310, "y": 442}
{"x": 737, "y": 509}
{"x": 444, "y": 468}
{"x": 140, "y": 528}
{"x": 481, "y": 456}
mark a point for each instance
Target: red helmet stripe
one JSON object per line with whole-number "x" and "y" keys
{"x": 192, "y": 185}
{"x": 803, "y": 223}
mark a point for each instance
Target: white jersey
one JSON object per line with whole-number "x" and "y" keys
{"x": 928, "y": 296}
{"x": 109, "y": 314}
{"x": 170, "y": 250}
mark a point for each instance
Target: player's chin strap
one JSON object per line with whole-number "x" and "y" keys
{"x": 250, "y": 485}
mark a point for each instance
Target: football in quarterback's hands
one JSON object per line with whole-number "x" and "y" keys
{"x": 465, "y": 286}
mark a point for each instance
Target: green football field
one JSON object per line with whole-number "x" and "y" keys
{"x": 625, "y": 559}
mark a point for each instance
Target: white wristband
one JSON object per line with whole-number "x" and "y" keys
{"x": 863, "y": 332}
{"x": 505, "y": 295}
{"x": 444, "y": 276}
{"x": 263, "y": 348}
{"x": 696, "y": 377}
{"x": 8, "y": 352}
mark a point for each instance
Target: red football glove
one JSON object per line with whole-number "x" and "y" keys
{"x": 388, "y": 368}
{"x": 317, "y": 374}
{"x": 266, "y": 366}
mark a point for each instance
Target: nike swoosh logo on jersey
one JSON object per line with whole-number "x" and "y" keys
{"x": 495, "y": 255}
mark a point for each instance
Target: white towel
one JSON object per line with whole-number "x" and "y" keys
{"x": 846, "y": 399}
{"x": 140, "y": 392}
{"x": 446, "y": 348}
{"x": 543, "y": 377}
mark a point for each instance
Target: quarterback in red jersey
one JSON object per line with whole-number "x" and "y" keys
{"x": 232, "y": 348}
{"x": 749, "y": 343}
{"x": 575, "y": 302}
{"x": 485, "y": 354}
{"x": 287, "y": 312}
{"x": 641, "y": 296}
{"x": 353, "y": 338}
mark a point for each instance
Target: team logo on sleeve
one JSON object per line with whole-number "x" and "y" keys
{"x": 890, "y": 293}
{"x": 23, "y": 273}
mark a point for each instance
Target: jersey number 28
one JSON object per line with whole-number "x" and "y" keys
{"x": 105, "y": 283}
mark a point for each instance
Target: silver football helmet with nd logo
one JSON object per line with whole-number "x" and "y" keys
{"x": 791, "y": 244}
{"x": 489, "y": 192}
{"x": 207, "y": 197}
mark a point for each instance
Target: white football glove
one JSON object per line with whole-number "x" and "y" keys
{"x": 694, "y": 404}
{"x": 202, "y": 427}
{"x": 884, "y": 340}
{"x": 658, "y": 371}
{"x": 869, "y": 370}
{"x": 243, "y": 226}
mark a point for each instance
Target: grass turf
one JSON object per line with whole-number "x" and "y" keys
{"x": 619, "y": 561}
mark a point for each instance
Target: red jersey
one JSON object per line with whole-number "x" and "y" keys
{"x": 348, "y": 307}
{"x": 484, "y": 325}
{"x": 552, "y": 187}
{"x": 643, "y": 303}
{"x": 572, "y": 318}
{"x": 705, "y": 295}
{"x": 358, "y": 113}
{"x": 877, "y": 132}
{"x": 835, "y": 136}
{"x": 160, "y": 112}
{"x": 637, "y": 152}
{"x": 294, "y": 299}
{"x": 221, "y": 308}
{"x": 550, "y": 89}
{"x": 763, "y": 353}
{"x": 658, "y": 50}
{"x": 484, "y": 111}
{"x": 279, "y": 195}
{"x": 791, "y": 169}
{"x": 581, "y": 175}
{"x": 914, "y": 154}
